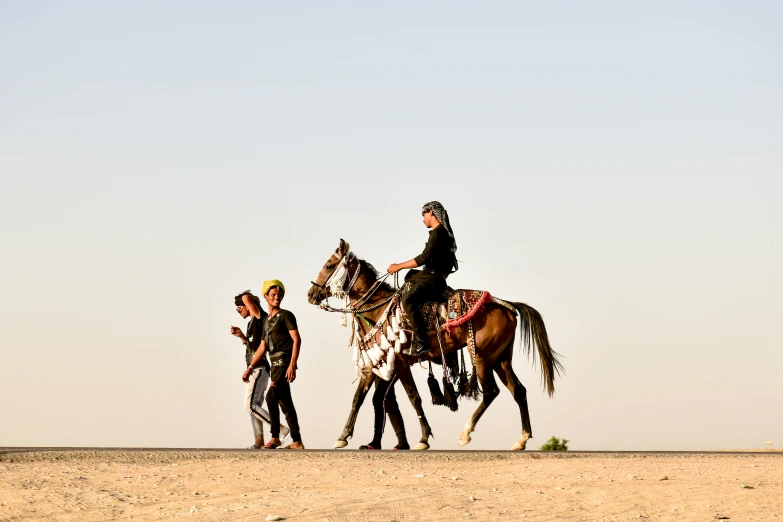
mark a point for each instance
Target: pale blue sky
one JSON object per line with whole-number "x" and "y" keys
{"x": 615, "y": 165}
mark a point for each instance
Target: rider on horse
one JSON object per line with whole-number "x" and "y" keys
{"x": 428, "y": 284}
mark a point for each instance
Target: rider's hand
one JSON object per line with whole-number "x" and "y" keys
{"x": 247, "y": 374}
{"x": 290, "y": 374}
{"x": 393, "y": 268}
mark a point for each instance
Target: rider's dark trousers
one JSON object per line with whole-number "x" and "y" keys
{"x": 422, "y": 287}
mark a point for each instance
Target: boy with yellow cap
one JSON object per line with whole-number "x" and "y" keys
{"x": 249, "y": 305}
{"x": 281, "y": 338}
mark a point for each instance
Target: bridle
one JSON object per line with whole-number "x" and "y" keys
{"x": 339, "y": 282}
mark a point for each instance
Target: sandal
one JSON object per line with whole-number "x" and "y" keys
{"x": 401, "y": 447}
{"x": 368, "y": 447}
{"x": 269, "y": 445}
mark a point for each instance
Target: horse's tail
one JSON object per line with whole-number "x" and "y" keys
{"x": 532, "y": 329}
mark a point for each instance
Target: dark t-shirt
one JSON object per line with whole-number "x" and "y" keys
{"x": 437, "y": 257}
{"x": 255, "y": 333}
{"x": 276, "y": 332}
{"x": 279, "y": 343}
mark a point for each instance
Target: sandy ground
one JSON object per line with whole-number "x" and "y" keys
{"x": 352, "y": 485}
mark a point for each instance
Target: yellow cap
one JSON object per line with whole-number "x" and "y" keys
{"x": 269, "y": 284}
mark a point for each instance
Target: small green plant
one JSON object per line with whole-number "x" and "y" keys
{"x": 554, "y": 444}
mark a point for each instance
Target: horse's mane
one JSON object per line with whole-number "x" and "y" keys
{"x": 367, "y": 266}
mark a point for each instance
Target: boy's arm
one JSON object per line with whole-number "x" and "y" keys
{"x": 251, "y": 306}
{"x": 256, "y": 359}
{"x": 290, "y": 374}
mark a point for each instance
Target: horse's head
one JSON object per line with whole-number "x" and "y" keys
{"x": 333, "y": 277}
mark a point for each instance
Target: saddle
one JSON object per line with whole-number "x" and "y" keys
{"x": 459, "y": 307}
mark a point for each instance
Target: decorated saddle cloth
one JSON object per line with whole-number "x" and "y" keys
{"x": 459, "y": 307}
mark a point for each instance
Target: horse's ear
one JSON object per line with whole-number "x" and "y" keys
{"x": 343, "y": 248}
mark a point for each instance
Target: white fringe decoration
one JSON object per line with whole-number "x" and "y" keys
{"x": 356, "y": 353}
{"x": 375, "y": 354}
{"x": 377, "y": 372}
{"x": 395, "y": 324}
{"x": 403, "y": 337}
{"x": 397, "y": 346}
{"x": 390, "y": 360}
{"x": 390, "y": 333}
{"x": 398, "y": 315}
{"x": 366, "y": 359}
{"x": 385, "y": 343}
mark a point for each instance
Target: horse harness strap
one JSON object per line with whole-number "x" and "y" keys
{"x": 378, "y": 325}
{"x": 442, "y": 353}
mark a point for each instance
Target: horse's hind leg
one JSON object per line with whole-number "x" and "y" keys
{"x": 406, "y": 378}
{"x": 358, "y": 399}
{"x": 508, "y": 377}
{"x": 489, "y": 391}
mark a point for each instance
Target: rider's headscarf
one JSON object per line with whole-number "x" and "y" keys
{"x": 439, "y": 212}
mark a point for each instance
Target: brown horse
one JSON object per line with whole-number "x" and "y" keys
{"x": 489, "y": 335}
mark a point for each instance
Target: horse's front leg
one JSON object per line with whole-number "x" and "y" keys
{"x": 406, "y": 378}
{"x": 358, "y": 398}
{"x": 489, "y": 391}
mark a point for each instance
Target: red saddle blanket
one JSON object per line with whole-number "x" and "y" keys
{"x": 459, "y": 307}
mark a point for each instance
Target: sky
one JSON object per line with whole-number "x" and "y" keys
{"x": 618, "y": 166}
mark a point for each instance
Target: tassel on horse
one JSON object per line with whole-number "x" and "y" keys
{"x": 395, "y": 325}
{"x": 390, "y": 334}
{"x": 449, "y": 395}
{"x": 462, "y": 380}
{"x": 451, "y": 365}
{"x": 472, "y": 389}
{"x": 437, "y": 395}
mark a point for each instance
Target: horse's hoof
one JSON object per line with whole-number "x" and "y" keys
{"x": 421, "y": 446}
{"x": 522, "y": 442}
{"x": 340, "y": 444}
{"x": 464, "y": 439}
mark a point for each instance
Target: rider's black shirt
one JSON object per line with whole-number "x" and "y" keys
{"x": 437, "y": 257}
